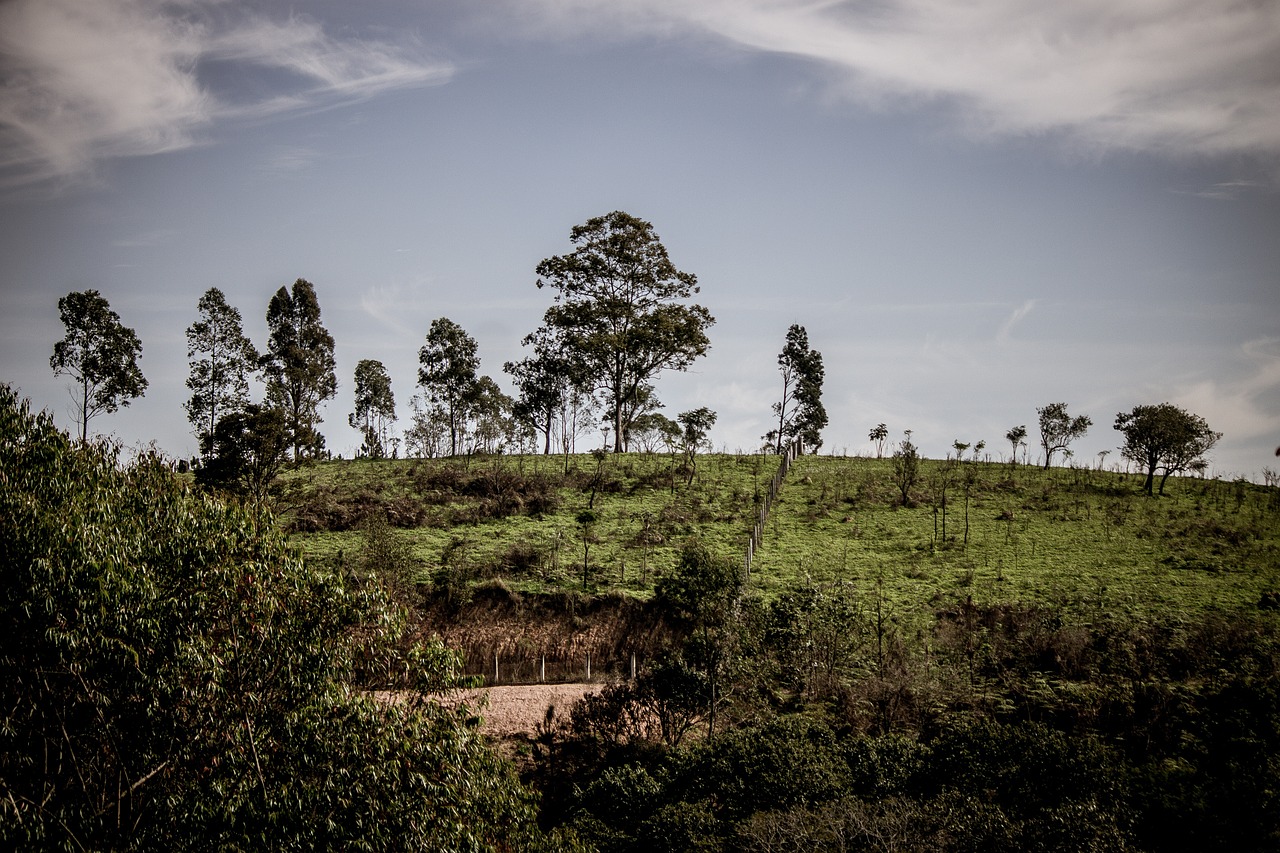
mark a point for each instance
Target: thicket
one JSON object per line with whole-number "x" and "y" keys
{"x": 173, "y": 677}
{"x": 1004, "y": 727}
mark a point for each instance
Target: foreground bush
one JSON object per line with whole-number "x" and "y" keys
{"x": 172, "y": 678}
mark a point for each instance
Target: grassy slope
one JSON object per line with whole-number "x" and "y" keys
{"x": 1067, "y": 537}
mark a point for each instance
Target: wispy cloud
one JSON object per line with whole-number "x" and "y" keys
{"x": 1174, "y": 76}
{"x": 1006, "y": 328}
{"x": 89, "y": 81}
{"x": 1228, "y": 190}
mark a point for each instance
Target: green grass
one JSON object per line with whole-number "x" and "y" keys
{"x": 1071, "y": 538}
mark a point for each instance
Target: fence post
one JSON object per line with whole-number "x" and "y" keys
{"x": 588, "y": 666}
{"x": 495, "y": 667}
{"x": 542, "y": 669}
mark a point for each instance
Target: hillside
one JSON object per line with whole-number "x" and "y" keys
{"x": 1066, "y": 537}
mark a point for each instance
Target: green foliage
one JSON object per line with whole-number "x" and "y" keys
{"x": 222, "y": 360}
{"x": 99, "y": 354}
{"x": 172, "y": 678}
{"x": 1058, "y": 429}
{"x": 299, "y": 365}
{"x": 245, "y": 452}
{"x": 619, "y": 313}
{"x": 800, "y": 412}
{"x": 695, "y": 424}
{"x": 906, "y": 468}
{"x": 375, "y": 407}
{"x": 447, "y": 374}
{"x": 1164, "y": 437}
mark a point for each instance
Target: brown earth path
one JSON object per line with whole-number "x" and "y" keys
{"x": 517, "y": 709}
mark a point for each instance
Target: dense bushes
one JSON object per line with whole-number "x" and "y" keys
{"x": 171, "y": 678}
{"x": 1014, "y": 728}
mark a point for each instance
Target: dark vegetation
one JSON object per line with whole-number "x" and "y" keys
{"x": 1003, "y": 658}
{"x": 172, "y": 677}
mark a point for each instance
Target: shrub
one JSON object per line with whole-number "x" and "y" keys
{"x": 171, "y": 678}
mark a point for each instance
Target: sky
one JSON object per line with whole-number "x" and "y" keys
{"x": 975, "y": 209}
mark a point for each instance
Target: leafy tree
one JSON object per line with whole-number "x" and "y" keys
{"x": 705, "y": 593}
{"x": 544, "y": 381}
{"x": 375, "y": 407}
{"x": 619, "y": 310}
{"x": 222, "y": 360}
{"x": 879, "y": 433}
{"x": 800, "y": 412}
{"x": 245, "y": 452}
{"x": 299, "y": 364}
{"x": 1016, "y": 436}
{"x": 644, "y": 402}
{"x": 490, "y": 415}
{"x": 429, "y": 431}
{"x": 447, "y": 374}
{"x": 1164, "y": 437}
{"x": 1058, "y": 429}
{"x": 694, "y": 426}
{"x": 654, "y": 430}
{"x": 100, "y": 354}
{"x": 906, "y": 468}
{"x": 173, "y": 677}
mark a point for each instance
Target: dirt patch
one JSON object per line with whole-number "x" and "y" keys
{"x": 517, "y": 710}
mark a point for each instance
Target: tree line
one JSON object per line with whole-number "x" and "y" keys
{"x": 621, "y": 315}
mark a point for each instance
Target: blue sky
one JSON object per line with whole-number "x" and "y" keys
{"x": 975, "y": 209}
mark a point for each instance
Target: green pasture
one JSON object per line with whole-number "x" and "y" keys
{"x": 1068, "y": 537}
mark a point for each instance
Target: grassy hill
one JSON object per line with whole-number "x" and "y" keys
{"x": 1065, "y": 537}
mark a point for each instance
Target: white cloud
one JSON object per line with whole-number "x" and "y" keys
{"x": 1246, "y": 407}
{"x": 1176, "y": 76}
{"x": 1006, "y": 329}
{"x": 110, "y": 78}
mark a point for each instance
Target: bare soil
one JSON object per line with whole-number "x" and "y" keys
{"x": 516, "y": 710}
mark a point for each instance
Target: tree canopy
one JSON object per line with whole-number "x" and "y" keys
{"x": 619, "y": 310}
{"x": 375, "y": 407}
{"x": 799, "y": 411}
{"x": 245, "y": 451}
{"x": 447, "y": 373}
{"x": 222, "y": 361}
{"x": 1164, "y": 437}
{"x": 299, "y": 364}
{"x": 173, "y": 677}
{"x": 1058, "y": 429}
{"x": 100, "y": 354}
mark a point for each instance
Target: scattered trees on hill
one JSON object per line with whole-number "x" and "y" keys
{"x": 100, "y": 354}
{"x": 447, "y": 374}
{"x": 800, "y": 412}
{"x": 299, "y": 365}
{"x": 222, "y": 361}
{"x": 1058, "y": 429}
{"x": 620, "y": 312}
{"x": 1165, "y": 438}
{"x": 375, "y": 407}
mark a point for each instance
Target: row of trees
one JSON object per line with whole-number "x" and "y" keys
{"x": 620, "y": 316}
{"x": 1162, "y": 439}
